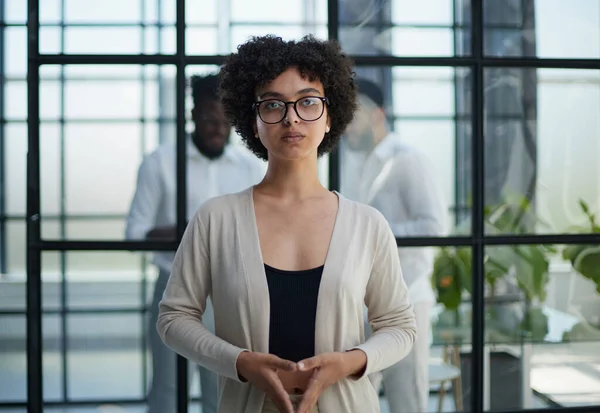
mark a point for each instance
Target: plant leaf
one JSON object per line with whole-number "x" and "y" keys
{"x": 587, "y": 263}
{"x": 531, "y": 270}
{"x": 584, "y": 206}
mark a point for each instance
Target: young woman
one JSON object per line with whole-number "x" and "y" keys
{"x": 288, "y": 264}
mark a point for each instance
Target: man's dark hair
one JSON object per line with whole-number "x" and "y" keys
{"x": 371, "y": 90}
{"x": 263, "y": 58}
{"x": 204, "y": 88}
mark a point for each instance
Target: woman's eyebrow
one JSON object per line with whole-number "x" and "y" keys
{"x": 271, "y": 94}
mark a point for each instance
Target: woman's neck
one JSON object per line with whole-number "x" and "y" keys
{"x": 292, "y": 180}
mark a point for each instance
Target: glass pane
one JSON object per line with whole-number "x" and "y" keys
{"x": 104, "y": 280}
{"x": 109, "y": 72}
{"x": 13, "y": 283}
{"x": 241, "y": 33}
{"x": 105, "y": 356}
{"x": 432, "y": 43}
{"x": 166, "y": 10}
{"x": 542, "y": 144}
{"x": 542, "y": 326}
{"x": 103, "y": 40}
{"x": 205, "y": 12}
{"x": 105, "y": 296}
{"x": 450, "y": 327}
{"x": 51, "y": 40}
{"x": 113, "y": 120}
{"x": 539, "y": 28}
{"x": 15, "y": 51}
{"x": 434, "y": 12}
{"x": 104, "y": 325}
{"x": 219, "y": 30}
{"x": 15, "y": 100}
{"x": 106, "y": 352}
{"x": 52, "y": 358}
{"x": 13, "y": 368}
{"x": 13, "y": 358}
{"x": 50, "y": 11}
{"x": 263, "y": 11}
{"x": 159, "y": 41}
{"x": 15, "y": 164}
{"x": 425, "y": 91}
{"x": 403, "y": 28}
{"x": 102, "y": 12}
{"x": 404, "y": 154}
{"x": 203, "y": 41}
{"x": 15, "y": 11}
{"x": 15, "y": 135}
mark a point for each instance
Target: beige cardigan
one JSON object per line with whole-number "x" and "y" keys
{"x": 220, "y": 257}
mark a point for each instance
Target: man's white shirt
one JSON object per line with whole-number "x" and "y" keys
{"x": 155, "y": 201}
{"x": 400, "y": 182}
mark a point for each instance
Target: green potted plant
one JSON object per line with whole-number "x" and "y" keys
{"x": 528, "y": 264}
{"x": 585, "y": 260}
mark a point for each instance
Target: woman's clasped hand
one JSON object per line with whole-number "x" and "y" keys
{"x": 263, "y": 370}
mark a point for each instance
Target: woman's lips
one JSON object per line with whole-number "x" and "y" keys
{"x": 292, "y": 137}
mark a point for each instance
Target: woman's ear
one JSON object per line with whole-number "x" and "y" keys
{"x": 255, "y": 130}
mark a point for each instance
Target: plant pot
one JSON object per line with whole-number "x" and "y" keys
{"x": 505, "y": 381}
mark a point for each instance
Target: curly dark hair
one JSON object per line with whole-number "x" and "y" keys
{"x": 262, "y": 58}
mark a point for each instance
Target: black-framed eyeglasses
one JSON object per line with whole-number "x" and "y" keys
{"x": 308, "y": 108}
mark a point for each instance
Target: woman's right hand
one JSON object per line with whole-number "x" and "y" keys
{"x": 261, "y": 369}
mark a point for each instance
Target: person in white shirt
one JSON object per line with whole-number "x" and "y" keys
{"x": 214, "y": 167}
{"x": 398, "y": 180}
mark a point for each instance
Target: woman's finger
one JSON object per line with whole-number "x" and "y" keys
{"x": 277, "y": 363}
{"x": 311, "y": 395}
{"x": 278, "y": 393}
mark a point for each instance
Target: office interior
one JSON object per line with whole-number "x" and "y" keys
{"x": 503, "y": 96}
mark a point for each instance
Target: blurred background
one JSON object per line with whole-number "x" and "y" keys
{"x": 530, "y": 84}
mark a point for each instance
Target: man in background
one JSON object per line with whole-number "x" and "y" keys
{"x": 214, "y": 167}
{"x": 399, "y": 181}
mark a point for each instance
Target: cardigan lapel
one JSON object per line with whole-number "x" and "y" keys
{"x": 326, "y": 301}
{"x": 256, "y": 279}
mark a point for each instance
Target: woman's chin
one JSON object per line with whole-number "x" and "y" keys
{"x": 293, "y": 154}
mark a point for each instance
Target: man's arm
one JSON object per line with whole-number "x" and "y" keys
{"x": 422, "y": 197}
{"x": 141, "y": 219}
{"x": 159, "y": 233}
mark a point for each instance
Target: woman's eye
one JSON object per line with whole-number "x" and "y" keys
{"x": 309, "y": 102}
{"x": 273, "y": 105}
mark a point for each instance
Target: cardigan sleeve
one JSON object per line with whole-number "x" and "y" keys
{"x": 390, "y": 312}
{"x": 183, "y": 304}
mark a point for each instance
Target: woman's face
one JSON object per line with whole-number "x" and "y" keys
{"x": 290, "y": 134}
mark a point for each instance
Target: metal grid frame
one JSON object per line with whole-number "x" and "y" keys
{"x": 3, "y": 265}
{"x": 476, "y": 61}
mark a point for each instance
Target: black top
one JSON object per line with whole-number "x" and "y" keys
{"x": 293, "y": 296}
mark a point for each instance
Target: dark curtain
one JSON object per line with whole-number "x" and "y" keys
{"x": 365, "y": 29}
{"x": 510, "y": 97}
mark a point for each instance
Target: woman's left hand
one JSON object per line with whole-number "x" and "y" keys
{"x": 328, "y": 369}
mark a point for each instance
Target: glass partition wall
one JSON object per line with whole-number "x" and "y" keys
{"x": 501, "y": 96}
